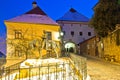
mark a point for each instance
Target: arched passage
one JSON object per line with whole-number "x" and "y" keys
{"x": 70, "y": 47}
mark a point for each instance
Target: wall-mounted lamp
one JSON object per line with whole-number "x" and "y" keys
{"x": 61, "y": 33}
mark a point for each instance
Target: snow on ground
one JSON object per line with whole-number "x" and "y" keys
{"x": 63, "y": 71}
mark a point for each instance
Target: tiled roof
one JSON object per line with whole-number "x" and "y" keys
{"x": 36, "y": 10}
{"x": 36, "y": 15}
{"x": 94, "y": 37}
{"x": 73, "y": 15}
{"x": 33, "y": 18}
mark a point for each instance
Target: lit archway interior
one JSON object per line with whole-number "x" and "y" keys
{"x": 70, "y": 47}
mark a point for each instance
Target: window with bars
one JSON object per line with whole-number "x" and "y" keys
{"x": 18, "y": 34}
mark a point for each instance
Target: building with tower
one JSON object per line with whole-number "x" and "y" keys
{"x": 75, "y": 27}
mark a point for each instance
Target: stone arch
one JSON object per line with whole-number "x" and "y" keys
{"x": 70, "y": 47}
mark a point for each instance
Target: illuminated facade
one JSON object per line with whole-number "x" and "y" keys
{"x": 35, "y": 38}
{"x": 32, "y": 34}
{"x": 75, "y": 26}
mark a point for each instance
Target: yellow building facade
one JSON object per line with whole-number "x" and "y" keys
{"x": 32, "y": 35}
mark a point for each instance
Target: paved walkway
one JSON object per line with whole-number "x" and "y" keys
{"x": 102, "y": 70}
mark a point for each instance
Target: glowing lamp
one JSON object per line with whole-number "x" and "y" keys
{"x": 61, "y": 33}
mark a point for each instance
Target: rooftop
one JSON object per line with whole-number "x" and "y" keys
{"x": 36, "y": 15}
{"x": 73, "y": 15}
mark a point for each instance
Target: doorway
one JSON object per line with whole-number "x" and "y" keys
{"x": 70, "y": 47}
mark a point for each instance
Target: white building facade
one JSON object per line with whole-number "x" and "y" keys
{"x": 75, "y": 27}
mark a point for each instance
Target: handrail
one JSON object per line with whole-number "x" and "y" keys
{"x": 76, "y": 70}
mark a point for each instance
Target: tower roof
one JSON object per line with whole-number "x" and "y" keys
{"x": 73, "y": 15}
{"x": 72, "y": 10}
{"x": 36, "y": 10}
{"x": 36, "y": 15}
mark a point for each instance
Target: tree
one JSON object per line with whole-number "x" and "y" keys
{"x": 118, "y": 1}
{"x": 106, "y": 16}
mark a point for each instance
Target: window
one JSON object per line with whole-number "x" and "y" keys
{"x": 72, "y": 33}
{"x": 49, "y": 35}
{"x": 89, "y": 33}
{"x": 18, "y": 34}
{"x": 18, "y": 52}
{"x": 80, "y": 33}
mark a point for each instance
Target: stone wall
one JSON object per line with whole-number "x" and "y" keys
{"x": 111, "y": 49}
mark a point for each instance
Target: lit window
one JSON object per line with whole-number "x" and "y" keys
{"x": 89, "y": 33}
{"x": 72, "y": 33}
{"x": 80, "y": 33}
{"x": 18, "y": 34}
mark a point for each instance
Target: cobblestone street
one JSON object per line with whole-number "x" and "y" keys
{"x": 102, "y": 70}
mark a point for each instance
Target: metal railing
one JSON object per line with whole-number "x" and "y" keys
{"x": 9, "y": 69}
{"x": 58, "y": 71}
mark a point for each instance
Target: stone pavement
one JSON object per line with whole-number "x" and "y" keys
{"x": 102, "y": 70}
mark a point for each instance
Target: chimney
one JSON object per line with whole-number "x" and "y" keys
{"x": 34, "y": 4}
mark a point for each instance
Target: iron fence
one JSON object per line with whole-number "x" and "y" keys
{"x": 69, "y": 70}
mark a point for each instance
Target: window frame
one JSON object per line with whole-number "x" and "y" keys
{"x": 89, "y": 33}
{"x": 72, "y": 33}
{"x": 18, "y": 34}
{"x": 80, "y": 33}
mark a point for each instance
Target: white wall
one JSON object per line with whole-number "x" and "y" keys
{"x": 76, "y": 27}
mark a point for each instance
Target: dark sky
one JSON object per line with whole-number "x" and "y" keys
{"x": 53, "y": 8}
